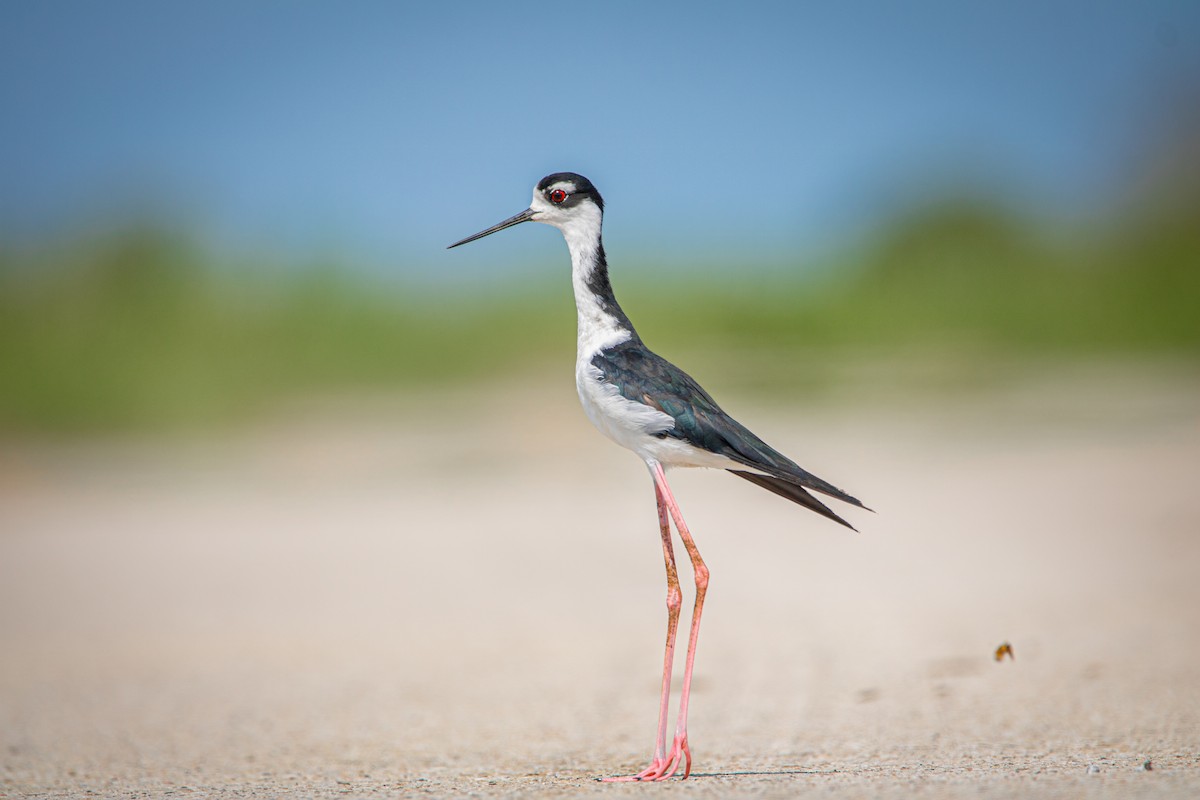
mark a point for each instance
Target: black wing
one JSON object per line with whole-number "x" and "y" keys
{"x": 644, "y": 377}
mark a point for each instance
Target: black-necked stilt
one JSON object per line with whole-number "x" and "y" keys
{"x": 648, "y": 405}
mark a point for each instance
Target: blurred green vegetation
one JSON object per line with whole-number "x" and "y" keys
{"x": 139, "y": 330}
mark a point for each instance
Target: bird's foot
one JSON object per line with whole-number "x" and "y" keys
{"x": 663, "y": 767}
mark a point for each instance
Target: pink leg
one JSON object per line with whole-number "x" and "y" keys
{"x": 680, "y": 745}
{"x": 666, "y": 764}
{"x": 674, "y": 602}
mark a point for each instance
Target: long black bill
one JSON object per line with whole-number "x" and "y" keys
{"x": 524, "y": 216}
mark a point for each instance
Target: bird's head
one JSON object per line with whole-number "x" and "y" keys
{"x": 565, "y": 200}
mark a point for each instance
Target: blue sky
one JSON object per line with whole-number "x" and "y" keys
{"x": 383, "y": 131}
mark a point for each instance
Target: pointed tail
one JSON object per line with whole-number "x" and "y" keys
{"x": 792, "y": 492}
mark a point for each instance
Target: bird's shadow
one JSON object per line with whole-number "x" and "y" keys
{"x": 749, "y": 772}
{"x": 740, "y": 772}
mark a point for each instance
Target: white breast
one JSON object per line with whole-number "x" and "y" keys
{"x": 635, "y": 426}
{"x": 630, "y": 424}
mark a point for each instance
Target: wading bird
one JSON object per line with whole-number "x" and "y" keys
{"x": 648, "y": 405}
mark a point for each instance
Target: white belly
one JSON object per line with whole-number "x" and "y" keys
{"x": 635, "y": 426}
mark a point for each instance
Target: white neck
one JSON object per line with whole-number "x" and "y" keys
{"x": 600, "y": 321}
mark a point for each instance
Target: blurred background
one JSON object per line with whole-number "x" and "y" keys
{"x": 273, "y": 510}
{"x": 208, "y": 210}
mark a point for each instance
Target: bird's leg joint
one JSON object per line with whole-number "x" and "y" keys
{"x": 674, "y": 597}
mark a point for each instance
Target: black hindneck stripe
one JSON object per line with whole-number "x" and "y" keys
{"x": 600, "y": 286}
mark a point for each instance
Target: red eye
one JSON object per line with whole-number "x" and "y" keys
{"x": 557, "y": 196}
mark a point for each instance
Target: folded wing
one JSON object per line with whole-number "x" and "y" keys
{"x": 645, "y": 377}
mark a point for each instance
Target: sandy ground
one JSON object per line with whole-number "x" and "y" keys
{"x": 424, "y": 598}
